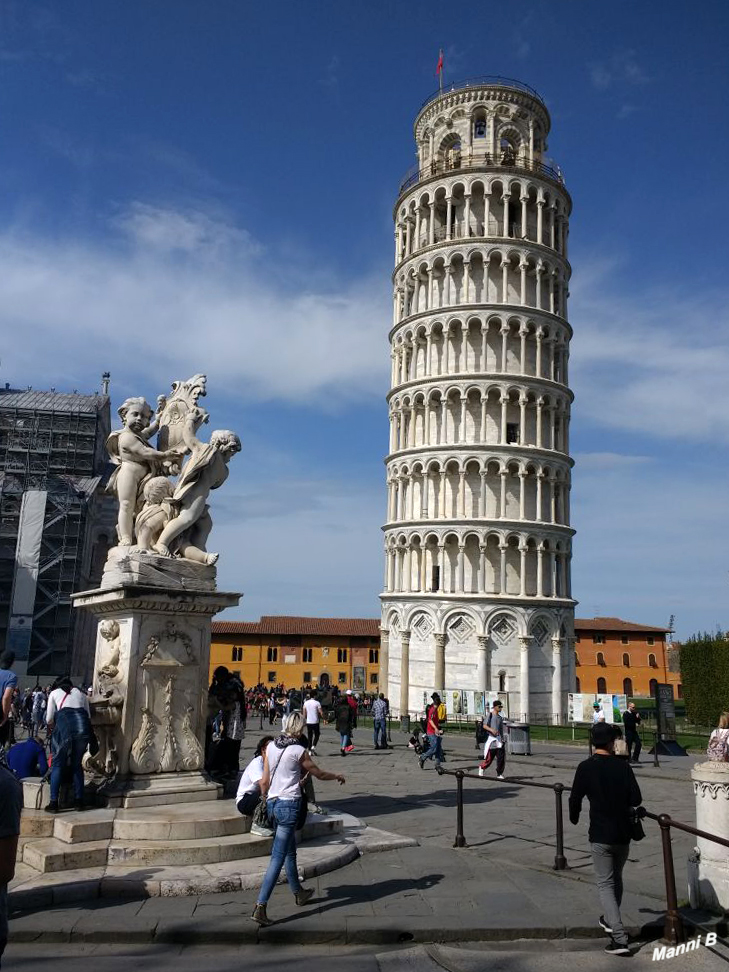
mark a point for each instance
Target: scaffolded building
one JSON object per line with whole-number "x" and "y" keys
{"x": 56, "y": 524}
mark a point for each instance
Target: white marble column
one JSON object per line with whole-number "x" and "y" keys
{"x": 483, "y": 672}
{"x": 440, "y": 672}
{"x": 557, "y": 709}
{"x": 384, "y": 661}
{"x": 524, "y": 642}
{"x": 404, "y": 672}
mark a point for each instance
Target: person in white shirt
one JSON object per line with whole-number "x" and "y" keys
{"x": 597, "y": 714}
{"x": 249, "y": 786}
{"x": 313, "y": 713}
{"x": 75, "y": 699}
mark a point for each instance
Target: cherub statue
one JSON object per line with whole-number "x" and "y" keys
{"x": 158, "y": 510}
{"x": 109, "y": 631}
{"x": 206, "y": 469}
{"x": 136, "y": 462}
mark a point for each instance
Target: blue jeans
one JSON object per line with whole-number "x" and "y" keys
{"x": 78, "y": 748}
{"x": 380, "y": 732}
{"x": 435, "y": 748}
{"x": 344, "y": 739}
{"x": 283, "y": 813}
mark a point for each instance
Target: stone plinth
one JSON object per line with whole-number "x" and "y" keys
{"x": 708, "y": 866}
{"x": 150, "y": 691}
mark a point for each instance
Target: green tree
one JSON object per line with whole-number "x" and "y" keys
{"x": 705, "y": 677}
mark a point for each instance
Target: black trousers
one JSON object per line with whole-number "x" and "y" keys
{"x": 312, "y": 734}
{"x": 632, "y": 739}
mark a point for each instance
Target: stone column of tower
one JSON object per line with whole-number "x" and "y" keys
{"x": 477, "y": 591}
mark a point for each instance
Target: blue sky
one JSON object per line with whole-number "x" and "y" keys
{"x": 192, "y": 186}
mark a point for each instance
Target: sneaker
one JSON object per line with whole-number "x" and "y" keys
{"x": 342, "y": 752}
{"x": 260, "y": 917}
{"x": 421, "y": 761}
{"x": 604, "y": 925}
{"x": 615, "y": 948}
{"x": 79, "y": 805}
{"x": 481, "y": 771}
{"x": 304, "y": 896}
{"x": 499, "y": 776}
{"x": 315, "y": 808}
{"x": 348, "y": 749}
{"x": 51, "y": 807}
{"x": 312, "y": 751}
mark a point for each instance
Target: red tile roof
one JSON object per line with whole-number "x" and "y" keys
{"x": 613, "y": 624}
{"x": 286, "y": 625}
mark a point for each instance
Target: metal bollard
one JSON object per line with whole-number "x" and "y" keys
{"x": 560, "y": 861}
{"x": 655, "y": 749}
{"x": 460, "y": 840}
{"x": 673, "y": 927}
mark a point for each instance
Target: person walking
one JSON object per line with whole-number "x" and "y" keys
{"x": 8, "y": 684}
{"x": 494, "y": 745}
{"x": 285, "y": 763}
{"x": 11, "y": 805}
{"x": 313, "y": 713}
{"x": 344, "y": 718}
{"x": 433, "y": 732}
{"x": 631, "y": 721}
{"x": 611, "y": 787}
{"x": 379, "y": 721}
{"x": 718, "y": 749}
{"x": 67, "y": 717}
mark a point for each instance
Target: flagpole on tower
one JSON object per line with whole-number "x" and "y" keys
{"x": 439, "y": 70}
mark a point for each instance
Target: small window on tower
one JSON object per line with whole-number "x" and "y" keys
{"x": 479, "y": 128}
{"x": 512, "y": 433}
{"x": 435, "y": 586}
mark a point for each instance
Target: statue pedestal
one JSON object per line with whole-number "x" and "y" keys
{"x": 708, "y": 866}
{"x": 149, "y": 706}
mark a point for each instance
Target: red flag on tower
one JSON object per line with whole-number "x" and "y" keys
{"x": 439, "y": 68}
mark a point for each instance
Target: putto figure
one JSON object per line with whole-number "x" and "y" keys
{"x": 136, "y": 462}
{"x": 157, "y": 515}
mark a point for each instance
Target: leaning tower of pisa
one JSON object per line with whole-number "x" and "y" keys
{"x": 477, "y": 589}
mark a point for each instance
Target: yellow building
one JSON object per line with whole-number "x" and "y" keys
{"x": 292, "y": 651}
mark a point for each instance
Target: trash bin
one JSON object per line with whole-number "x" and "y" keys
{"x": 518, "y": 740}
{"x": 405, "y": 723}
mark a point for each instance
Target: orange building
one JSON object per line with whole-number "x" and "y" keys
{"x": 300, "y": 651}
{"x": 622, "y": 658}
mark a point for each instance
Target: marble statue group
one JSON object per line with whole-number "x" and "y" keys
{"x": 156, "y": 514}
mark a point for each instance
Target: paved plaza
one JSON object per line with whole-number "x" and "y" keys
{"x": 493, "y": 894}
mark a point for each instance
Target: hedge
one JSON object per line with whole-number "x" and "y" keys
{"x": 705, "y": 677}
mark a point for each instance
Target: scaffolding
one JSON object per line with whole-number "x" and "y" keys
{"x": 51, "y": 444}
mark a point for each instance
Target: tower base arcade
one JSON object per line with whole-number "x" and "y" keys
{"x": 522, "y": 653}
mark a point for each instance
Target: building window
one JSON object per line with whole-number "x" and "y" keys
{"x": 625, "y": 640}
{"x": 600, "y": 658}
{"x": 628, "y": 687}
{"x": 652, "y": 686}
{"x": 435, "y": 580}
{"x": 679, "y": 691}
{"x": 652, "y": 661}
{"x": 601, "y": 689}
{"x": 598, "y": 639}
{"x": 273, "y": 654}
{"x": 237, "y": 653}
{"x": 307, "y": 678}
{"x": 626, "y": 659}
{"x": 373, "y": 678}
{"x": 577, "y": 684}
{"x": 307, "y": 654}
{"x": 502, "y": 681}
{"x": 272, "y": 676}
{"x": 479, "y": 128}
{"x": 342, "y": 656}
{"x": 650, "y": 642}
{"x": 342, "y": 678}
{"x": 512, "y": 433}
{"x": 374, "y": 656}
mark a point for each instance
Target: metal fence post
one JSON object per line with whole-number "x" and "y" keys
{"x": 655, "y": 749}
{"x": 673, "y": 927}
{"x": 460, "y": 840}
{"x": 560, "y": 861}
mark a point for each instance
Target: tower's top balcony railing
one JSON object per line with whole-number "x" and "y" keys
{"x": 486, "y": 81}
{"x": 507, "y": 161}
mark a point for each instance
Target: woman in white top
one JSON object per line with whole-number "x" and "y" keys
{"x": 249, "y": 786}
{"x": 718, "y": 748}
{"x": 285, "y": 763}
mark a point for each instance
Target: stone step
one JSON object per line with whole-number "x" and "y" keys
{"x": 48, "y": 854}
{"x": 51, "y": 854}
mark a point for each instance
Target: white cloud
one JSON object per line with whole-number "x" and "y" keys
{"x": 622, "y": 68}
{"x": 174, "y": 292}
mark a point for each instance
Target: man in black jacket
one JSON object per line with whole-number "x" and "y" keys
{"x": 631, "y": 721}
{"x": 611, "y": 787}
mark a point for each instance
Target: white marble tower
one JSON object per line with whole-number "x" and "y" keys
{"x": 478, "y": 539}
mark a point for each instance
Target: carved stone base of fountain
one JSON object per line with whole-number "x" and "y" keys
{"x": 149, "y": 706}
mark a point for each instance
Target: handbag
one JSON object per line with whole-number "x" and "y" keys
{"x": 303, "y": 811}
{"x": 636, "y": 827}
